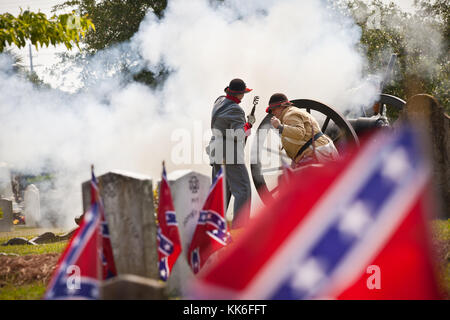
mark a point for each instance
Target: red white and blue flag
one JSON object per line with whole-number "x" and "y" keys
{"x": 107, "y": 256}
{"x": 87, "y": 258}
{"x": 168, "y": 236}
{"x": 356, "y": 229}
{"x": 211, "y": 233}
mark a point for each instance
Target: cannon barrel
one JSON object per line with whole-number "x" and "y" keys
{"x": 362, "y": 125}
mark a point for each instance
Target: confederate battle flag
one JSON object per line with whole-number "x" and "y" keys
{"x": 356, "y": 229}
{"x": 211, "y": 233}
{"x": 107, "y": 257}
{"x": 168, "y": 237}
{"x": 87, "y": 258}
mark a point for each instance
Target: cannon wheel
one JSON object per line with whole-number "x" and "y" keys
{"x": 392, "y": 101}
{"x": 345, "y": 135}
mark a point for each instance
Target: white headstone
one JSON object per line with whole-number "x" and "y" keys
{"x": 5, "y": 181}
{"x": 189, "y": 191}
{"x": 32, "y": 209}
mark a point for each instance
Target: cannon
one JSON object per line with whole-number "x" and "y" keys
{"x": 340, "y": 129}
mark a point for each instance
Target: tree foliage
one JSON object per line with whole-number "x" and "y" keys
{"x": 17, "y": 67}
{"x": 16, "y": 61}
{"x": 419, "y": 39}
{"x": 40, "y": 30}
{"x": 439, "y": 11}
{"x": 115, "y": 20}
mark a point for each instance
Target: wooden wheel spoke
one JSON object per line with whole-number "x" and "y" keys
{"x": 278, "y": 153}
{"x": 338, "y": 137}
{"x": 274, "y": 190}
{"x": 271, "y": 169}
{"x": 325, "y": 124}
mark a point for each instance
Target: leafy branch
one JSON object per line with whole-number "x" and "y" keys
{"x": 36, "y": 27}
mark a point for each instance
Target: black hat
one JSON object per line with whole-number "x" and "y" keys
{"x": 276, "y": 100}
{"x": 237, "y": 86}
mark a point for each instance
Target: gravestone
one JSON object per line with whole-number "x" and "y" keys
{"x": 129, "y": 212}
{"x": 425, "y": 109}
{"x": 5, "y": 181}
{"x": 32, "y": 206}
{"x": 6, "y": 215}
{"x": 189, "y": 191}
{"x": 132, "y": 287}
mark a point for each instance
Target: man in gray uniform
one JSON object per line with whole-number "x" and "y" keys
{"x": 229, "y": 130}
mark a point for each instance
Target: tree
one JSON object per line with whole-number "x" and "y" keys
{"x": 116, "y": 21}
{"x": 438, "y": 13}
{"x": 419, "y": 39}
{"x": 36, "y": 27}
{"x": 16, "y": 61}
{"x": 438, "y": 10}
{"x": 18, "y": 68}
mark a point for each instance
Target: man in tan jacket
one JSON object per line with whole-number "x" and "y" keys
{"x": 297, "y": 129}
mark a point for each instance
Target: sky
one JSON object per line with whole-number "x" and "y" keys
{"x": 44, "y": 58}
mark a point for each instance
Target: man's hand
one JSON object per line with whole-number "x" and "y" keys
{"x": 275, "y": 122}
{"x": 251, "y": 119}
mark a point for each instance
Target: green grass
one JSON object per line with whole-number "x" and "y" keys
{"x": 33, "y": 291}
{"x": 441, "y": 237}
{"x": 441, "y": 229}
{"x": 21, "y": 250}
{"x": 29, "y": 233}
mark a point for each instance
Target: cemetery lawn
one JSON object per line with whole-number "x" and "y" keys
{"x": 29, "y": 233}
{"x": 25, "y": 292}
{"x": 21, "y": 250}
{"x": 25, "y": 274}
{"x": 26, "y": 269}
{"x": 441, "y": 241}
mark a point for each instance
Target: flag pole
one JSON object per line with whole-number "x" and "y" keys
{"x": 159, "y": 192}
{"x": 224, "y": 193}
{"x": 99, "y": 234}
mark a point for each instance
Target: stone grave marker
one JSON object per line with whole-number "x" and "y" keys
{"x": 129, "y": 212}
{"x": 132, "y": 287}
{"x": 6, "y": 215}
{"x": 189, "y": 190}
{"x": 32, "y": 209}
{"x": 425, "y": 109}
{"x": 5, "y": 181}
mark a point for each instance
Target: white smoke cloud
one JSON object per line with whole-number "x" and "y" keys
{"x": 297, "y": 47}
{"x": 421, "y": 38}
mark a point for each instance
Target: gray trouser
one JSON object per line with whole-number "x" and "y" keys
{"x": 238, "y": 185}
